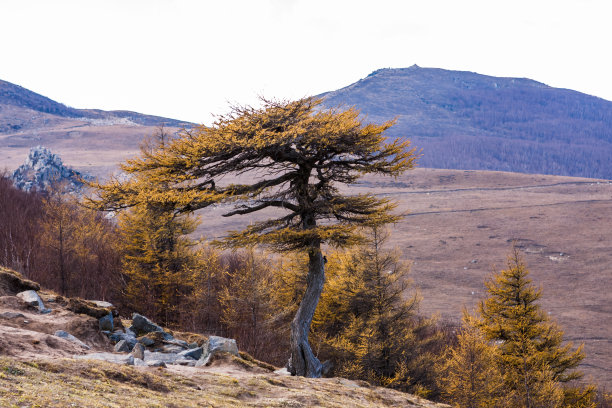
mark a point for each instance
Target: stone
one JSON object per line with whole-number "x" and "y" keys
{"x": 119, "y": 335}
{"x": 168, "y": 358}
{"x": 122, "y": 347}
{"x": 193, "y": 345}
{"x": 146, "y": 341}
{"x": 106, "y": 322}
{"x": 185, "y": 362}
{"x": 138, "y": 351}
{"x": 192, "y": 353}
{"x": 126, "y": 359}
{"x": 139, "y": 362}
{"x": 171, "y": 348}
{"x": 86, "y": 307}
{"x": 155, "y": 363}
{"x": 142, "y": 325}
{"x": 65, "y": 335}
{"x": 11, "y": 315}
{"x": 216, "y": 344}
{"x": 31, "y": 298}
{"x": 101, "y": 303}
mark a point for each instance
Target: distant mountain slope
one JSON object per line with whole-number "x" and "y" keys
{"x": 463, "y": 120}
{"x": 91, "y": 140}
{"x": 17, "y": 96}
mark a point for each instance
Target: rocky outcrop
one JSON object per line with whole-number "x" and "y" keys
{"x": 31, "y": 298}
{"x": 44, "y": 170}
{"x": 12, "y": 283}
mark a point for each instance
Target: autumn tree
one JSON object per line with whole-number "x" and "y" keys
{"x": 469, "y": 375}
{"x": 368, "y": 320}
{"x": 289, "y": 156}
{"x": 534, "y": 360}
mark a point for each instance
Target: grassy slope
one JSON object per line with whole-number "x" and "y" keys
{"x": 69, "y": 383}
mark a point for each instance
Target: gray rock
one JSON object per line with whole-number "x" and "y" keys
{"x": 193, "y": 345}
{"x": 171, "y": 348}
{"x": 11, "y": 315}
{"x": 110, "y": 357}
{"x": 216, "y": 344}
{"x": 106, "y": 322}
{"x": 101, "y": 303}
{"x": 138, "y": 351}
{"x": 141, "y": 325}
{"x": 168, "y": 358}
{"x": 118, "y": 335}
{"x": 65, "y": 335}
{"x": 31, "y": 298}
{"x": 139, "y": 362}
{"x": 194, "y": 354}
{"x": 185, "y": 362}
{"x": 155, "y": 363}
{"x": 122, "y": 347}
{"x": 146, "y": 341}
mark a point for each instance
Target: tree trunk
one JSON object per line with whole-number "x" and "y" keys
{"x": 303, "y": 361}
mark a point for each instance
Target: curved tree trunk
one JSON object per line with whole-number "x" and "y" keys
{"x": 303, "y": 361}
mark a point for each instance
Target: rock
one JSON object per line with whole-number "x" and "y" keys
{"x": 88, "y": 308}
{"x": 185, "y": 362}
{"x": 127, "y": 359}
{"x": 31, "y": 298}
{"x": 171, "y": 348}
{"x": 146, "y": 341}
{"x": 101, "y": 303}
{"x": 193, "y": 345}
{"x": 155, "y": 363}
{"x": 65, "y": 335}
{"x": 122, "y": 347}
{"x": 139, "y": 362}
{"x": 11, "y": 315}
{"x": 106, "y": 322}
{"x": 141, "y": 325}
{"x": 216, "y": 344}
{"x": 192, "y": 353}
{"x": 168, "y": 358}
{"x": 138, "y": 351}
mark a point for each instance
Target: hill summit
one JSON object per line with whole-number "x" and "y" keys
{"x": 464, "y": 120}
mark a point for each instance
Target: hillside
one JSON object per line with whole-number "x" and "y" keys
{"x": 41, "y": 366}
{"x": 93, "y": 140}
{"x": 460, "y": 226}
{"x": 464, "y": 120}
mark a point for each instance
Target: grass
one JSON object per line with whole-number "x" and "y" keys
{"x": 77, "y": 383}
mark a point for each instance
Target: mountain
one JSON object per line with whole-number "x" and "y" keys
{"x": 464, "y": 120}
{"x": 92, "y": 140}
{"x": 43, "y": 169}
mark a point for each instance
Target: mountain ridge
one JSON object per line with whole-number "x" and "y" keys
{"x": 468, "y": 121}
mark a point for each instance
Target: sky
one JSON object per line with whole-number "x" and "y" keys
{"x": 193, "y": 59}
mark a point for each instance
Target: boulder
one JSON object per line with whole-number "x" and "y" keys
{"x": 11, "y": 315}
{"x": 119, "y": 335}
{"x": 195, "y": 353}
{"x": 216, "y": 344}
{"x": 146, "y": 341}
{"x": 101, "y": 303}
{"x": 142, "y": 325}
{"x": 155, "y": 363}
{"x": 168, "y": 358}
{"x": 31, "y": 298}
{"x": 122, "y": 347}
{"x": 106, "y": 322}
{"x": 88, "y": 308}
{"x": 138, "y": 351}
{"x": 65, "y": 335}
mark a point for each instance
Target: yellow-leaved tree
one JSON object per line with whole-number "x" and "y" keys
{"x": 292, "y": 157}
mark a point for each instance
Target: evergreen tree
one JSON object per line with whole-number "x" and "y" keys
{"x": 532, "y": 357}
{"x": 469, "y": 376}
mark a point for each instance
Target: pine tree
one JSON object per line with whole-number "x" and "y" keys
{"x": 532, "y": 356}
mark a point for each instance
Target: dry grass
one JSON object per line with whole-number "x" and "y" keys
{"x": 70, "y": 383}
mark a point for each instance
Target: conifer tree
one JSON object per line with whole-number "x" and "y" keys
{"x": 532, "y": 356}
{"x": 367, "y": 319}
{"x": 297, "y": 155}
{"x": 469, "y": 376}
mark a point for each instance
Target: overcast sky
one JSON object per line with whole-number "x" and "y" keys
{"x": 189, "y": 59}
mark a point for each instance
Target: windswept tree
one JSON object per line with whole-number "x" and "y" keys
{"x": 290, "y": 156}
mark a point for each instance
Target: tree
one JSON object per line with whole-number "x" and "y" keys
{"x": 532, "y": 356}
{"x": 469, "y": 375}
{"x": 368, "y": 325}
{"x": 297, "y": 156}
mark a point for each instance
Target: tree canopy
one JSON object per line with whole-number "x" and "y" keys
{"x": 290, "y": 156}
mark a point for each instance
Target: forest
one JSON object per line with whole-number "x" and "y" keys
{"x": 365, "y": 323}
